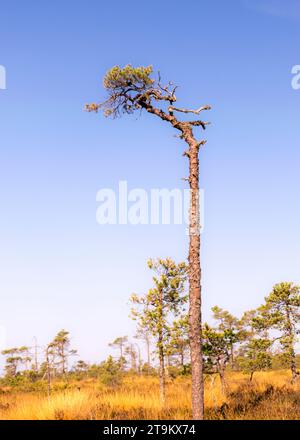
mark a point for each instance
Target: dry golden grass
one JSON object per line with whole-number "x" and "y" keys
{"x": 270, "y": 396}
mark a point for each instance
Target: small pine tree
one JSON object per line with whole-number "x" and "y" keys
{"x": 281, "y": 313}
{"x": 157, "y": 309}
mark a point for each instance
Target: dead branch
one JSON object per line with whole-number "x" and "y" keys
{"x": 199, "y": 124}
{"x": 183, "y": 110}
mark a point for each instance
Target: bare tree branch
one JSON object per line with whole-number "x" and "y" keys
{"x": 199, "y": 124}
{"x": 183, "y": 110}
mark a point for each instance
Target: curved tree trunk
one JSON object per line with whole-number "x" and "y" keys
{"x": 195, "y": 319}
{"x": 139, "y": 92}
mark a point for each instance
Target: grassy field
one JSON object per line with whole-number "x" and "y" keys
{"x": 269, "y": 396}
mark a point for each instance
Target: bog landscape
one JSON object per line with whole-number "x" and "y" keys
{"x": 149, "y": 188}
{"x": 250, "y": 367}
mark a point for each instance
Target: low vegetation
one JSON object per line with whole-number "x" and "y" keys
{"x": 269, "y": 396}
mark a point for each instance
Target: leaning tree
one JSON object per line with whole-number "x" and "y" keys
{"x": 130, "y": 89}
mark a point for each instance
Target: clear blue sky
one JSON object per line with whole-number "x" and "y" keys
{"x": 58, "y": 267}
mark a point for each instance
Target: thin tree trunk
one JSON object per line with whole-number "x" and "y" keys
{"x": 148, "y": 354}
{"x": 231, "y": 357}
{"x": 121, "y": 356}
{"x": 36, "y": 366}
{"x": 292, "y": 351}
{"x": 139, "y": 368}
{"x": 223, "y": 381}
{"x": 162, "y": 384}
{"x": 63, "y": 360}
{"x": 167, "y": 369}
{"x": 49, "y": 380}
{"x": 48, "y": 373}
{"x": 182, "y": 357}
{"x": 293, "y": 365}
{"x": 195, "y": 283}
